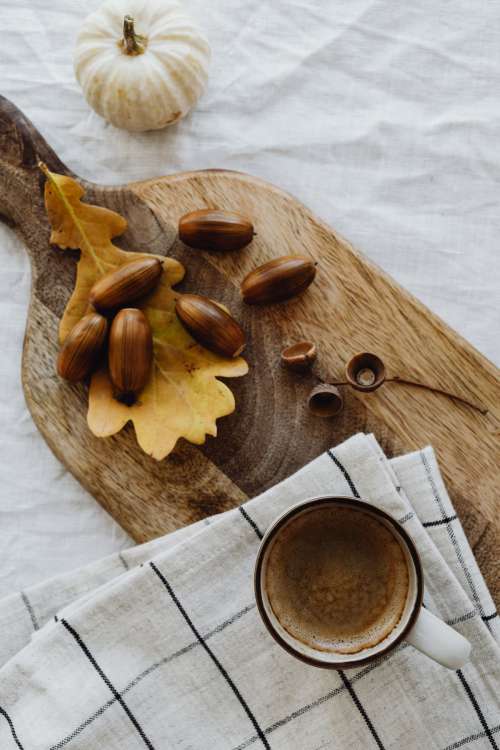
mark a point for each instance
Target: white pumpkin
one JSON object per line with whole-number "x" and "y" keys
{"x": 142, "y": 64}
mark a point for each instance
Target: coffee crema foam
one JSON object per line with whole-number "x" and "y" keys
{"x": 337, "y": 579}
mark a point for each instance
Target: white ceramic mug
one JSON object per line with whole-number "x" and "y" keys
{"x": 417, "y": 625}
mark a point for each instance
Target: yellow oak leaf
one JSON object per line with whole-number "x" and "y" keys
{"x": 183, "y": 397}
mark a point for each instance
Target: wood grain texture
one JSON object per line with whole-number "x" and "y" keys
{"x": 352, "y": 306}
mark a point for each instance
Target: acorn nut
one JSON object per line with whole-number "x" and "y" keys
{"x": 80, "y": 350}
{"x": 127, "y": 284}
{"x": 278, "y": 280}
{"x": 210, "y": 325}
{"x": 210, "y": 229}
{"x": 130, "y": 353}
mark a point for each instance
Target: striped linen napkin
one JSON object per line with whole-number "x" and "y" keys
{"x": 162, "y": 646}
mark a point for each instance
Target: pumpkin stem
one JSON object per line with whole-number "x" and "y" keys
{"x": 132, "y": 43}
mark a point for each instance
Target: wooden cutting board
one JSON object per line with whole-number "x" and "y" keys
{"x": 353, "y": 306}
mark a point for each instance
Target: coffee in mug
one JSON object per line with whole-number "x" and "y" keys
{"x": 339, "y": 582}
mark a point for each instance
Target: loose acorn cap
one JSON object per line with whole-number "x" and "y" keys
{"x": 210, "y": 229}
{"x": 365, "y": 372}
{"x": 299, "y": 357}
{"x": 130, "y": 353}
{"x": 210, "y": 325}
{"x": 128, "y": 283}
{"x": 80, "y": 350}
{"x": 278, "y": 280}
{"x": 325, "y": 400}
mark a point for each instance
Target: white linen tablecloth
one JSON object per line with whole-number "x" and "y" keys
{"x": 382, "y": 117}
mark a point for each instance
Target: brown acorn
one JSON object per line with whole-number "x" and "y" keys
{"x": 210, "y": 325}
{"x": 278, "y": 280}
{"x": 130, "y": 353}
{"x": 365, "y": 372}
{"x": 127, "y": 284}
{"x": 210, "y": 229}
{"x": 80, "y": 350}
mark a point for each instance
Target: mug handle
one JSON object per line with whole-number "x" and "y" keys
{"x": 439, "y": 641}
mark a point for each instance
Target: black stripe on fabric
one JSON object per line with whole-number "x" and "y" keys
{"x": 361, "y": 710}
{"x": 471, "y": 738}
{"x": 149, "y": 670}
{"x": 463, "y": 618}
{"x": 477, "y": 709}
{"x": 4, "y": 713}
{"x": 344, "y": 472}
{"x": 452, "y": 536}
{"x": 31, "y": 611}
{"x": 487, "y": 618}
{"x": 250, "y": 521}
{"x": 211, "y": 654}
{"x": 446, "y": 519}
{"x": 406, "y": 518}
{"x": 123, "y": 561}
{"x": 107, "y": 681}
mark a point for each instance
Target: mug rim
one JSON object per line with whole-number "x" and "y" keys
{"x": 358, "y": 504}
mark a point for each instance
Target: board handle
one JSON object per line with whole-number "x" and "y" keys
{"x": 21, "y": 182}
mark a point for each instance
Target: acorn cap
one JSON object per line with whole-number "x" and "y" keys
{"x": 325, "y": 400}
{"x": 365, "y": 372}
{"x": 299, "y": 357}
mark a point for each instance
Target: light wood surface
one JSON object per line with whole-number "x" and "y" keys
{"x": 352, "y": 306}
